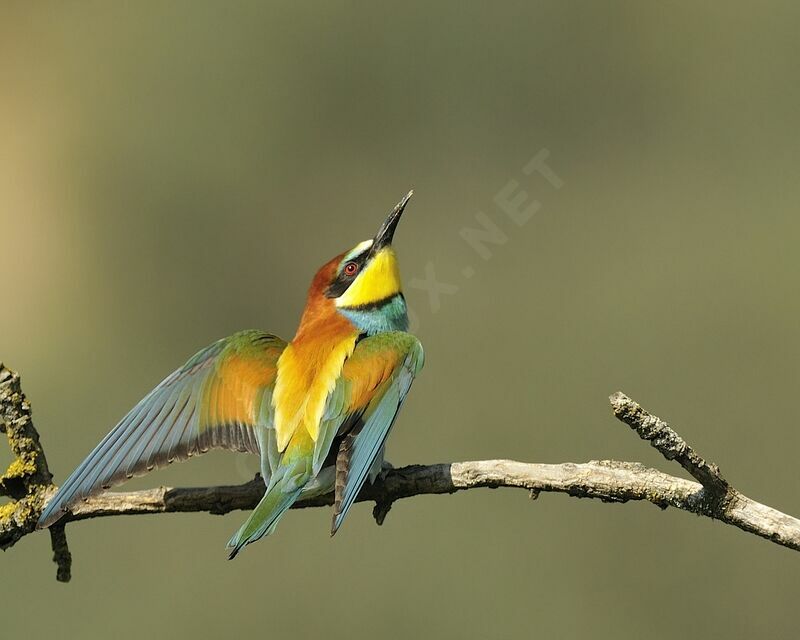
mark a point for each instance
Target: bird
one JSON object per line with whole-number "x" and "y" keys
{"x": 317, "y": 409}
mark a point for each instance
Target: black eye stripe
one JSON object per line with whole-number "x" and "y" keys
{"x": 343, "y": 281}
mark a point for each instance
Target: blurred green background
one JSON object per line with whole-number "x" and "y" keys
{"x": 171, "y": 173}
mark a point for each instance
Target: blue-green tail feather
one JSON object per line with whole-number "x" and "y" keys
{"x": 264, "y": 518}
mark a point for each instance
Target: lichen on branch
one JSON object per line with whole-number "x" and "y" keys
{"x": 27, "y": 480}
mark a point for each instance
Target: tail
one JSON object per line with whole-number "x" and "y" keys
{"x": 265, "y": 516}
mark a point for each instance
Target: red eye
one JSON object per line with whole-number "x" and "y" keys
{"x": 351, "y": 269}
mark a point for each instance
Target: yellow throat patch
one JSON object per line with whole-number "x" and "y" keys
{"x": 379, "y": 280}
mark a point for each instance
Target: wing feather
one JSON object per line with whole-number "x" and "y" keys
{"x": 219, "y": 399}
{"x": 362, "y": 408}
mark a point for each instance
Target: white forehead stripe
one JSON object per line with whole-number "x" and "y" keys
{"x": 360, "y": 248}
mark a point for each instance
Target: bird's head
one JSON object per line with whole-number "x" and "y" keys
{"x": 363, "y": 284}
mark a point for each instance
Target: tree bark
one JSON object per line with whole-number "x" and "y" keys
{"x": 29, "y": 484}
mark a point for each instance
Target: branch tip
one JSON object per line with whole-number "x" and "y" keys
{"x": 668, "y": 443}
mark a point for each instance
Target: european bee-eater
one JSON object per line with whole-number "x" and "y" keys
{"x": 317, "y": 409}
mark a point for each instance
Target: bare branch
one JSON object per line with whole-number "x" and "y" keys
{"x": 605, "y": 480}
{"x": 669, "y": 444}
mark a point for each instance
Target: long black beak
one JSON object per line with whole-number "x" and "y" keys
{"x": 386, "y": 232}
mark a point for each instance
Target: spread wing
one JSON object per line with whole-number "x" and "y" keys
{"x": 373, "y": 384}
{"x": 221, "y": 398}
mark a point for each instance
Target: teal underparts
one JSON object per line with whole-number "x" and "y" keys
{"x": 390, "y": 315}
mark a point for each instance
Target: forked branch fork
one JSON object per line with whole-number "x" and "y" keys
{"x": 29, "y": 484}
